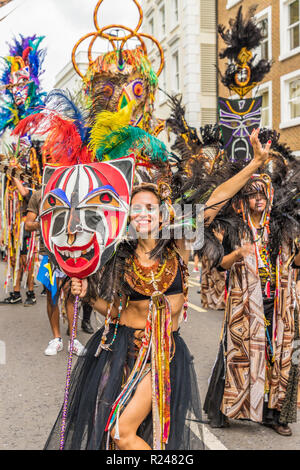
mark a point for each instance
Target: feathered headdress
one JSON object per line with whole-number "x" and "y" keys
{"x": 242, "y": 37}
{"x": 121, "y": 75}
{"x": 25, "y": 56}
{"x": 191, "y": 145}
{"x": 70, "y": 140}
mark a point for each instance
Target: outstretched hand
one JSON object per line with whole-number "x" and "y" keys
{"x": 261, "y": 153}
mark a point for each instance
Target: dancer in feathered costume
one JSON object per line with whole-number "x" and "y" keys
{"x": 21, "y": 95}
{"x": 20, "y": 81}
{"x": 138, "y": 284}
{"x": 135, "y": 387}
{"x": 254, "y": 237}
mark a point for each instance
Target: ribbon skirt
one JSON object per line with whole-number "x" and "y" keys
{"x": 96, "y": 382}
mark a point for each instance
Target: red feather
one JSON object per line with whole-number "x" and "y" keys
{"x": 26, "y": 53}
{"x": 32, "y": 124}
{"x": 63, "y": 143}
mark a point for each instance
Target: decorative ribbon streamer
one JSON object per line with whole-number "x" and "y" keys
{"x": 67, "y": 388}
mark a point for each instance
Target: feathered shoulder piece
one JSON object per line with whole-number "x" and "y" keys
{"x": 62, "y": 123}
{"x": 241, "y": 38}
{"x": 190, "y": 144}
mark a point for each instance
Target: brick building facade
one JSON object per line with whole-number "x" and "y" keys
{"x": 280, "y": 89}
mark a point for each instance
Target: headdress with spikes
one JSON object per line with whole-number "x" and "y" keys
{"x": 121, "y": 75}
{"x": 242, "y": 37}
{"x": 21, "y": 76}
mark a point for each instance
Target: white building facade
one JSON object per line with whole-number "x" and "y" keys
{"x": 186, "y": 30}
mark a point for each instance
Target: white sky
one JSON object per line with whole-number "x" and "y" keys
{"x": 63, "y": 23}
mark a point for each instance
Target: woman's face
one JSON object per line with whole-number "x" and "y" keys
{"x": 258, "y": 200}
{"x": 145, "y": 214}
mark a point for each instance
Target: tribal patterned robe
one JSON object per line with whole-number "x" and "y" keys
{"x": 245, "y": 357}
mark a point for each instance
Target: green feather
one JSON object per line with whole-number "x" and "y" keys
{"x": 130, "y": 139}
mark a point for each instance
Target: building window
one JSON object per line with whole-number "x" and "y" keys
{"x": 174, "y": 13}
{"x": 264, "y": 46}
{"x": 265, "y": 109}
{"x": 232, "y": 3}
{"x": 163, "y": 86}
{"x": 290, "y": 28}
{"x": 294, "y": 99}
{"x": 290, "y": 99}
{"x": 265, "y": 91}
{"x": 264, "y": 22}
{"x": 175, "y": 72}
{"x": 162, "y": 20}
{"x": 151, "y": 26}
{"x": 294, "y": 24}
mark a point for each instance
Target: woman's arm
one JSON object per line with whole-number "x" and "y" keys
{"x": 229, "y": 188}
{"x": 236, "y": 255}
{"x": 297, "y": 259}
{"x": 21, "y": 188}
{"x": 31, "y": 225}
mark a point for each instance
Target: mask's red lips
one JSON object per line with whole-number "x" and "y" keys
{"x": 79, "y": 261}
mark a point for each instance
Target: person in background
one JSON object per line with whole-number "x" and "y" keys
{"x": 15, "y": 296}
{"x": 56, "y": 344}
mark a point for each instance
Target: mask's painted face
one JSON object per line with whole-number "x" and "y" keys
{"x": 114, "y": 85}
{"x": 238, "y": 118}
{"x": 19, "y": 81}
{"x": 84, "y": 213}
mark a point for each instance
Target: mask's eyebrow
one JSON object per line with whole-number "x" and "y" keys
{"x": 62, "y": 195}
{"x": 107, "y": 187}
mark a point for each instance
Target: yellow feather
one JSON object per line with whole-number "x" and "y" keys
{"x": 107, "y": 122}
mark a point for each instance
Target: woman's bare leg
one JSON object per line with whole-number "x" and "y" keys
{"x": 134, "y": 414}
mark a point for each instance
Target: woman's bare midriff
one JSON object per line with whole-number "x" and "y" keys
{"x": 136, "y": 313}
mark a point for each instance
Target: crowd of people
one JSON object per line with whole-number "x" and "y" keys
{"x": 98, "y": 214}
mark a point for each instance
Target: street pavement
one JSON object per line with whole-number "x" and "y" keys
{"x": 32, "y": 384}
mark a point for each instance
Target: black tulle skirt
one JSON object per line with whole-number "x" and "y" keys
{"x": 96, "y": 383}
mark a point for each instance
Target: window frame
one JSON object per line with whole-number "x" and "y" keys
{"x": 162, "y": 24}
{"x": 285, "y": 80}
{"x": 174, "y": 20}
{"x": 232, "y": 3}
{"x": 261, "y": 15}
{"x": 174, "y": 52}
{"x": 256, "y": 93}
{"x": 285, "y": 52}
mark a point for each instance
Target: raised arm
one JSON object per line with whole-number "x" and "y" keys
{"x": 21, "y": 188}
{"x": 229, "y": 188}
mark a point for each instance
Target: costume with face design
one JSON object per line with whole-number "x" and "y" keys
{"x": 115, "y": 79}
{"x": 20, "y": 95}
{"x": 85, "y": 206}
{"x": 238, "y": 118}
{"x": 20, "y": 81}
{"x": 84, "y": 213}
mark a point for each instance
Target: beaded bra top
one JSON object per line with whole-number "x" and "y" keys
{"x": 165, "y": 277}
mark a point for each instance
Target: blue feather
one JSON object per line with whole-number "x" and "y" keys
{"x": 62, "y": 102}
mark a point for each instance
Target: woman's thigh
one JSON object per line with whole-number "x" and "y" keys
{"x": 138, "y": 408}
